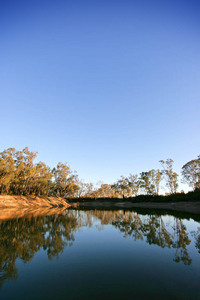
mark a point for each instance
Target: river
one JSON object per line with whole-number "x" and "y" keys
{"x": 100, "y": 254}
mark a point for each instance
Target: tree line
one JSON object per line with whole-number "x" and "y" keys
{"x": 19, "y": 175}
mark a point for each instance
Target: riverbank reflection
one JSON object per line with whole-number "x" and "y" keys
{"x": 22, "y": 238}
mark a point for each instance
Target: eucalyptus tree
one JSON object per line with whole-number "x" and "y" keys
{"x": 65, "y": 181}
{"x": 191, "y": 173}
{"x": 146, "y": 184}
{"x": 20, "y": 175}
{"x": 24, "y": 172}
{"x": 16, "y": 170}
{"x": 133, "y": 183}
{"x": 170, "y": 175}
{"x": 150, "y": 181}
{"x": 82, "y": 188}
{"x": 72, "y": 187}
{"x": 126, "y": 186}
{"x": 7, "y": 169}
{"x": 89, "y": 189}
{"x": 41, "y": 183}
{"x": 105, "y": 191}
{"x": 121, "y": 187}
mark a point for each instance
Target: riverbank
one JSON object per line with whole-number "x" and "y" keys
{"x": 21, "y": 202}
{"x": 11, "y": 206}
{"x": 189, "y": 207}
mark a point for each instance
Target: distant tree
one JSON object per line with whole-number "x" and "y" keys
{"x": 126, "y": 186}
{"x": 133, "y": 183}
{"x": 72, "y": 188}
{"x": 146, "y": 182}
{"x": 89, "y": 190}
{"x": 191, "y": 173}
{"x": 150, "y": 181}
{"x": 170, "y": 175}
{"x": 105, "y": 191}
{"x": 121, "y": 187}
{"x": 20, "y": 175}
{"x": 82, "y": 188}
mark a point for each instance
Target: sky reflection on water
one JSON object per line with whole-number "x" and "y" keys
{"x": 94, "y": 254}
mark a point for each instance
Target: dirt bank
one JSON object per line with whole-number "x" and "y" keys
{"x": 189, "y": 207}
{"x": 31, "y": 202}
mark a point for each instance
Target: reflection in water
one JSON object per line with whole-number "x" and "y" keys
{"x": 196, "y": 236}
{"x": 198, "y": 242}
{"x": 28, "y": 212}
{"x": 22, "y": 238}
{"x": 156, "y": 231}
{"x": 153, "y": 229}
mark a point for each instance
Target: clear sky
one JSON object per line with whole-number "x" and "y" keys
{"x": 111, "y": 87}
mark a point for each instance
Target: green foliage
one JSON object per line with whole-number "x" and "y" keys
{"x": 105, "y": 191}
{"x": 126, "y": 186}
{"x": 191, "y": 173}
{"x": 19, "y": 175}
{"x": 170, "y": 175}
{"x": 150, "y": 181}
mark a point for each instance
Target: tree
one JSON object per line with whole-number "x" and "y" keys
{"x": 41, "y": 183}
{"x": 89, "y": 189}
{"x": 7, "y": 169}
{"x": 146, "y": 182}
{"x": 121, "y": 187}
{"x": 133, "y": 184}
{"x": 155, "y": 177}
{"x": 105, "y": 191}
{"x": 63, "y": 179}
{"x": 24, "y": 171}
{"x": 19, "y": 175}
{"x": 170, "y": 175}
{"x": 191, "y": 173}
{"x": 16, "y": 170}
{"x": 82, "y": 188}
{"x": 126, "y": 186}
{"x": 72, "y": 188}
{"x": 150, "y": 181}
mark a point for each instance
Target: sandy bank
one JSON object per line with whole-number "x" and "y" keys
{"x": 189, "y": 207}
{"x": 19, "y": 202}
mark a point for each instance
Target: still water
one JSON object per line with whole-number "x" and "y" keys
{"x": 99, "y": 254}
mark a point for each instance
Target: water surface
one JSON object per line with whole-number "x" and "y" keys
{"x": 97, "y": 254}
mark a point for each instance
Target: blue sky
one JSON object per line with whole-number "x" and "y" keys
{"x": 111, "y": 87}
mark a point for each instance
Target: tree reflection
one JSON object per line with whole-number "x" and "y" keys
{"x": 197, "y": 244}
{"x": 153, "y": 229}
{"x": 22, "y": 238}
{"x": 181, "y": 242}
{"x": 196, "y": 236}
